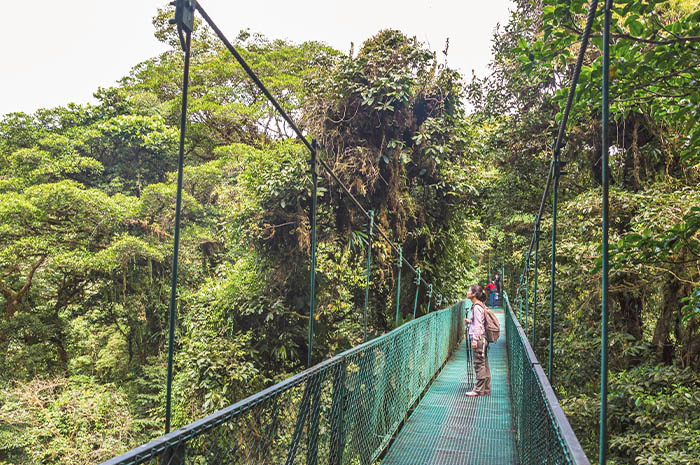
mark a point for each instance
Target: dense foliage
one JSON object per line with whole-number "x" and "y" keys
{"x": 87, "y": 198}
{"x": 87, "y": 195}
{"x": 654, "y": 205}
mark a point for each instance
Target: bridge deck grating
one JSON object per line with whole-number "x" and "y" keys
{"x": 448, "y": 428}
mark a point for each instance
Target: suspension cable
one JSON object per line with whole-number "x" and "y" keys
{"x": 298, "y": 132}
{"x": 605, "y": 149}
{"x": 253, "y": 76}
{"x": 295, "y": 128}
{"x": 585, "y": 36}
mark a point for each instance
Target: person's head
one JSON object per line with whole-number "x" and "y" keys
{"x": 476, "y": 291}
{"x": 496, "y": 278}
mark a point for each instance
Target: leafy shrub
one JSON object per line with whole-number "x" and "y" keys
{"x": 67, "y": 420}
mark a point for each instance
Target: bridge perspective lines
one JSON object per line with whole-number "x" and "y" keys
{"x": 398, "y": 398}
{"x": 449, "y": 428}
{"x": 406, "y": 386}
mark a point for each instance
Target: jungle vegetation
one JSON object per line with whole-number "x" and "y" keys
{"x": 454, "y": 170}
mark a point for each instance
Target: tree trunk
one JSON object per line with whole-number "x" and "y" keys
{"x": 661, "y": 339}
{"x": 690, "y": 352}
{"x": 629, "y": 318}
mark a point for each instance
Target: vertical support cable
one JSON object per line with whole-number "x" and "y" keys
{"x": 194, "y": 5}
{"x": 527, "y": 293}
{"x": 312, "y": 285}
{"x": 430, "y": 296}
{"x": 604, "y": 279}
{"x": 369, "y": 265}
{"x": 503, "y": 277}
{"x": 520, "y": 301}
{"x": 415, "y": 301}
{"x": 398, "y": 287}
{"x": 176, "y": 239}
{"x": 488, "y": 268}
{"x": 555, "y": 189}
{"x": 534, "y": 298}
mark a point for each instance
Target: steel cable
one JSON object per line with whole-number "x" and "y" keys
{"x": 585, "y": 36}
{"x": 294, "y": 127}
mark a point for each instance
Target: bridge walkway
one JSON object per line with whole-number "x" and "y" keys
{"x": 449, "y": 428}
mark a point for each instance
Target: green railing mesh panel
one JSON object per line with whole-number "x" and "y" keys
{"x": 342, "y": 411}
{"x": 448, "y": 428}
{"x": 543, "y": 433}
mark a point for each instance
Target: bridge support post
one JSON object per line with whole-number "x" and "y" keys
{"x": 184, "y": 18}
{"x": 520, "y": 300}
{"x": 312, "y": 286}
{"x": 555, "y": 189}
{"x": 527, "y": 293}
{"x": 534, "y": 293}
{"x": 503, "y": 278}
{"x": 603, "y": 447}
{"x": 415, "y": 301}
{"x": 430, "y": 296}
{"x": 369, "y": 267}
{"x": 398, "y": 287}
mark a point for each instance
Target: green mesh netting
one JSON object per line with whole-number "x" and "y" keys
{"x": 348, "y": 409}
{"x": 543, "y": 434}
{"x": 342, "y": 411}
{"x": 448, "y": 428}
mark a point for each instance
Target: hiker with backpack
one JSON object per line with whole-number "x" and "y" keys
{"x": 479, "y": 341}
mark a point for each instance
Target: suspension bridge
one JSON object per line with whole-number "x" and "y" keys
{"x": 398, "y": 399}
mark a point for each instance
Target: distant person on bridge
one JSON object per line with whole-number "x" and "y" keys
{"x": 480, "y": 346}
{"x": 493, "y": 289}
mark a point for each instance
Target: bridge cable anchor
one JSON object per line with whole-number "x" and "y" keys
{"x": 184, "y": 18}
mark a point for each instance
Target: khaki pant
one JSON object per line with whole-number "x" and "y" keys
{"x": 481, "y": 367}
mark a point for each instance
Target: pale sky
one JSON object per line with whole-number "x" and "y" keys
{"x": 56, "y": 52}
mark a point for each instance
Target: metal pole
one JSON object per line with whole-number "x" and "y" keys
{"x": 312, "y": 293}
{"x": 398, "y": 287}
{"x": 430, "y": 296}
{"x": 488, "y": 269}
{"x": 603, "y": 452}
{"x": 534, "y": 298}
{"x": 503, "y": 278}
{"x": 527, "y": 293}
{"x": 415, "y": 301}
{"x": 176, "y": 239}
{"x": 554, "y": 265}
{"x": 369, "y": 265}
{"x": 520, "y": 301}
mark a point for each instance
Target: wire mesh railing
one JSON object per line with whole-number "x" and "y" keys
{"x": 543, "y": 434}
{"x": 344, "y": 410}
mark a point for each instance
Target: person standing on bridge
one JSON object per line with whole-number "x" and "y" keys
{"x": 493, "y": 290}
{"x": 480, "y": 346}
{"x": 499, "y": 293}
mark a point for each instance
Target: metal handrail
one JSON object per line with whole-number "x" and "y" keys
{"x": 535, "y": 446}
{"x": 441, "y": 329}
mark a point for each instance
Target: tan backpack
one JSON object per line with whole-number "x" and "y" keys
{"x": 492, "y": 328}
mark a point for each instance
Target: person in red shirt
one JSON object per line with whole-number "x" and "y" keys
{"x": 492, "y": 291}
